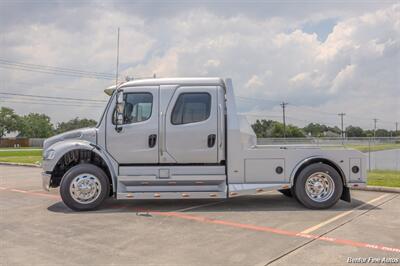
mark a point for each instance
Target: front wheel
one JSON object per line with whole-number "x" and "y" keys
{"x": 84, "y": 187}
{"x": 318, "y": 186}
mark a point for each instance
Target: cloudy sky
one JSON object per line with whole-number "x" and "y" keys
{"x": 323, "y": 57}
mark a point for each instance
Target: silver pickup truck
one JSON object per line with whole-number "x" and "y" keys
{"x": 174, "y": 138}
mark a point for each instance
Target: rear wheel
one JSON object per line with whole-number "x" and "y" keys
{"x": 84, "y": 187}
{"x": 318, "y": 186}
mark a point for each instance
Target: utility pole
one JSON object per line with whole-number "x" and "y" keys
{"x": 375, "y": 120}
{"x": 283, "y": 104}
{"x": 341, "y": 120}
{"x": 397, "y": 124}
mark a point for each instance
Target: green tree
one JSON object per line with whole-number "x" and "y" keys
{"x": 315, "y": 129}
{"x": 74, "y": 124}
{"x": 8, "y": 121}
{"x": 274, "y": 129}
{"x": 263, "y": 128}
{"x": 382, "y": 133}
{"x": 320, "y": 130}
{"x": 35, "y": 125}
{"x": 335, "y": 130}
{"x": 294, "y": 132}
{"x": 369, "y": 133}
{"x": 277, "y": 130}
{"x": 355, "y": 132}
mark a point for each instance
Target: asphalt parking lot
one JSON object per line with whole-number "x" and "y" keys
{"x": 268, "y": 229}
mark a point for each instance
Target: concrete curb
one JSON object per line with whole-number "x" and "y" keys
{"x": 21, "y": 164}
{"x": 379, "y": 189}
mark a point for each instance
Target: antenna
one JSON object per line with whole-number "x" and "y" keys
{"x": 116, "y": 73}
{"x": 118, "y": 129}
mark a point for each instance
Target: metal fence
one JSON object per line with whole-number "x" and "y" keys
{"x": 383, "y": 153}
{"x": 21, "y": 142}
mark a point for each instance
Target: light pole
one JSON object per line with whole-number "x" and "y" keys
{"x": 341, "y": 121}
{"x": 283, "y": 104}
{"x": 375, "y": 120}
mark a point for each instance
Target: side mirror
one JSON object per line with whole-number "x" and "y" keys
{"x": 120, "y": 104}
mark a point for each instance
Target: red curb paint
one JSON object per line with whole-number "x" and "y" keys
{"x": 258, "y": 228}
{"x": 31, "y": 193}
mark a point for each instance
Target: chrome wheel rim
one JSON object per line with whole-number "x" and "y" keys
{"x": 319, "y": 187}
{"x": 85, "y": 188}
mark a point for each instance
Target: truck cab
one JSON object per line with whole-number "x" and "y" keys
{"x": 176, "y": 138}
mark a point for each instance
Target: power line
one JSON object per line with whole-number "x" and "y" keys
{"x": 313, "y": 111}
{"x": 54, "y": 73}
{"x": 257, "y": 99}
{"x": 279, "y": 102}
{"x": 55, "y": 104}
{"x": 51, "y": 97}
{"x": 54, "y": 68}
{"x": 13, "y": 85}
{"x": 7, "y": 97}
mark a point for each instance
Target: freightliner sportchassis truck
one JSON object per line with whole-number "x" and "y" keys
{"x": 174, "y": 138}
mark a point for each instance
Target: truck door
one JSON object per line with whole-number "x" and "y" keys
{"x": 191, "y": 125}
{"x": 137, "y": 140}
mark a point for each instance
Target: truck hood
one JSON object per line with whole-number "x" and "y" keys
{"x": 88, "y": 134}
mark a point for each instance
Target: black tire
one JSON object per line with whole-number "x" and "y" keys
{"x": 309, "y": 202}
{"x": 287, "y": 192}
{"x": 80, "y": 169}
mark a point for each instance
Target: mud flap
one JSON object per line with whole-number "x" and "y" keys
{"x": 346, "y": 194}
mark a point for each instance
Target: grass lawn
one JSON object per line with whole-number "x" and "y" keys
{"x": 377, "y": 147}
{"x": 385, "y": 178}
{"x": 21, "y": 148}
{"x": 21, "y": 156}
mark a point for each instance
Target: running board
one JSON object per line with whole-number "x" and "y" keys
{"x": 171, "y": 195}
{"x": 175, "y": 187}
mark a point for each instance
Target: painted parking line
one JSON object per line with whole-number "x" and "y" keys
{"x": 267, "y": 229}
{"x": 252, "y": 227}
{"x": 343, "y": 214}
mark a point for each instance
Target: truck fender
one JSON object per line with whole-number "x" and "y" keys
{"x": 314, "y": 159}
{"x": 61, "y": 148}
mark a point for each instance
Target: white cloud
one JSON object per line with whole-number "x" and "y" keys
{"x": 267, "y": 56}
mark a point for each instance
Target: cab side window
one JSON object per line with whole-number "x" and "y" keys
{"x": 191, "y": 108}
{"x": 137, "y": 107}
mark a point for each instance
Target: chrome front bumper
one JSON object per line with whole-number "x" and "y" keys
{"x": 46, "y": 178}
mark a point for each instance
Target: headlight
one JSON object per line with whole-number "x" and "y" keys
{"x": 49, "y": 155}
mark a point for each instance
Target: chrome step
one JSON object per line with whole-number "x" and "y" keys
{"x": 171, "y": 195}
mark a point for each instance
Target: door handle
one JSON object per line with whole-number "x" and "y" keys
{"x": 211, "y": 140}
{"x": 152, "y": 140}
